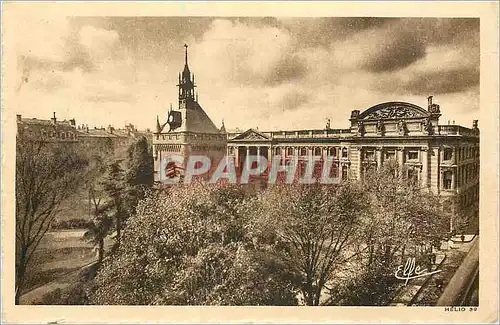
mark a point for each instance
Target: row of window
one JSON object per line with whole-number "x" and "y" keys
{"x": 469, "y": 197}
{"x": 53, "y": 134}
{"x": 303, "y": 151}
{"x": 390, "y": 154}
{"x": 410, "y": 155}
{"x": 208, "y": 147}
{"x": 467, "y": 173}
{"x": 317, "y": 151}
{"x": 462, "y": 153}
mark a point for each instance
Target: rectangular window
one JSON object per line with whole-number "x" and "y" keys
{"x": 344, "y": 173}
{"x": 277, "y": 151}
{"x": 317, "y": 151}
{"x": 332, "y": 152}
{"x": 370, "y": 155}
{"x": 412, "y": 176}
{"x": 344, "y": 152}
{"x": 303, "y": 151}
{"x": 290, "y": 151}
{"x": 447, "y": 154}
{"x": 447, "y": 180}
{"x": 334, "y": 171}
{"x": 390, "y": 154}
{"x": 412, "y": 155}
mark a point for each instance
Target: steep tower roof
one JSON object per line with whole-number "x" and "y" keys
{"x": 192, "y": 117}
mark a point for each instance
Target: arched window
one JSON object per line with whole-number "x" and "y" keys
{"x": 303, "y": 151}
{"x": 277, "y": 150}
{"x": 332, "y": 152}
{"x": 289, "y": 151}
{"x": 317, "y": 151}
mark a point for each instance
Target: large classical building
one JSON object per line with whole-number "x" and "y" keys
{"x": 442, "y": 158}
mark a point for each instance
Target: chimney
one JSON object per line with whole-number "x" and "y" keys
{"x": 87, "y": 128}
{"x": 72, "y": 122}
{"x": 474, "y": 124}
{"x": 53, "y": 119}
{"x": 19, "y": 117}
{"x": 429, "y": 102}
{"x": 110, "y": 129}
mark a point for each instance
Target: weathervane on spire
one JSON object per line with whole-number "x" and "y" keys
{"x": 186, "y": 54}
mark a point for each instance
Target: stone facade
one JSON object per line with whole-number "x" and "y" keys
{"x": 442, "y": 158}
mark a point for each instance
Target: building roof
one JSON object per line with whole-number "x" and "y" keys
{"x": 35, "y": 121}
{"x": 197, "y": 121}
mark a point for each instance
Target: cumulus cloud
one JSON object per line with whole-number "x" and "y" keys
{"x": 437, "y": 82}
{"x": 277, "y": 73}
{"x": 398, "y": 53}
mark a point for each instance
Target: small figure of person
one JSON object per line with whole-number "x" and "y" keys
{"x": 462, "y": 238}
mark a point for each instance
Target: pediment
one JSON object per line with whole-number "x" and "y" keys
{"x": 393, "y": 110}
{"x": 251, "y": 134}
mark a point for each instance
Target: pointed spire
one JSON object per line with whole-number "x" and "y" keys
{"x": 223, "y": 127}
{"x": 186, "y": 54}
{"x": 158, "y": 126}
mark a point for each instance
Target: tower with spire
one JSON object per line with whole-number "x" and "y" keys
{"x": 188, "y": 130}
{"x": 186, "y": 84}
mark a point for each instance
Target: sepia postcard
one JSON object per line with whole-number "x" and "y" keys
{"x": 250, "y": 162}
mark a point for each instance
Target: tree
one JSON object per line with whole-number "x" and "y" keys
{"x": 404, "y": 220}
{"x": 46, "y": 174}
{"x": 113, "y": 185}
{"x": 314, "y": 226}
{"x": 191, "y": 244}
{"x": 138, "y": 173}
{"x": 101, "y": 223}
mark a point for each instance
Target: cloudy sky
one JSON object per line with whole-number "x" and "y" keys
{"x": 270, "y": 73}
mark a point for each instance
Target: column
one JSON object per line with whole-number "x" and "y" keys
{"x": 379, "y": 157}
{"x": 258, "y": 151}
{"x": 453, "y": 171}
{"x": 441, "y": 180}
{"x": 270, "y": 155}
{"x": 246, "y": 158}
{"x": 425, "y": 168}
{"x": 360, "y": 151}
{"x": 401, "y": 164}
{"x": 237, "y": 156}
